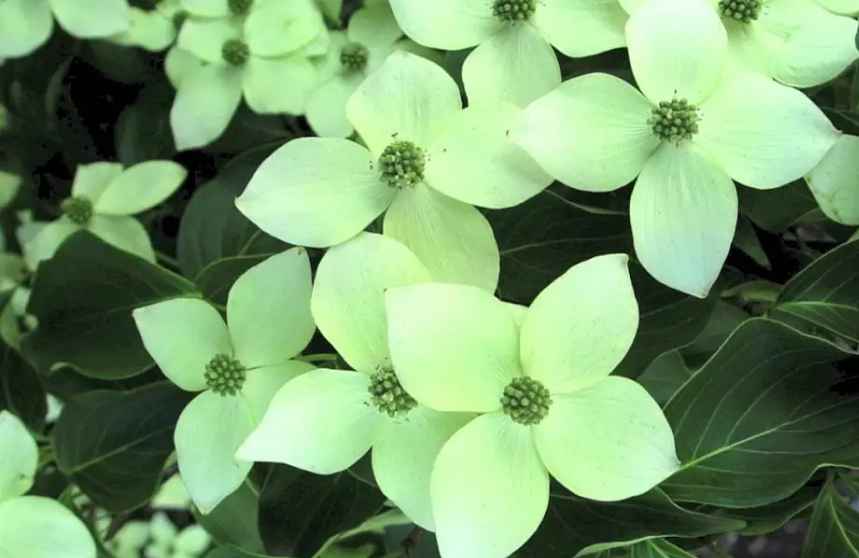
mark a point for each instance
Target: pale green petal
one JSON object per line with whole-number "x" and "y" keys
{"x": 683, "y": 213}
{"x": 833, "y": 181}
{"x": 10, "y": 182}
{"x": 607, "y": 442}
{"x": 599, "y": 25}
{"x": 193, "y": 540}
{"x": 846, "y": 7}
{"x": 404, "y": 455}
{"x": 141, "y": 187}
{"x": 374, "y": 26}
{"x": 282, "y": 85}
{"x": 261, "y": 384}
{"x": 454, "y": 347}
{"x": 591, "y": 133}
{"x": 268, "y": 309}
{"x": 24, "y": 26}
{"x": 581, "y": 326}
{"x": 209, "y": 431}
{"x": 452, "y": 239}
{"x": 447, "y": 24}
{"x": 475, "y": 161}
{"x": 204, "y": 105}
{"x": 408, "y": 99}
{"x": 179, "y": 64}
{"x": 101, "y": 18}
{"x": 149, "y": 30}
{"x": 126, "y": 233}
{"x": 763, "y": 134}
{"x": 515, "y": 65}
{"x": 207, "y": 8}
{"x": 355, "y": 276}
{"x": 183, "y": 335}
{"x": 670, "y": 59}
{"x": 326, "y": 108}
{"x": 328, "y": 64}
{"x": 20, "y": 457}
{"x": 36, "y": 527}
{"x": 321, "y": 422}
{"x": 47, "y": 241}
{"x": 315, "y": 192}
{"x": 275, "y": 28}
{"x": 205, "y": 38}
{"x": 163, "y": 530}
{"x": 489, "y": 489}
{"x": 631, "y": 5}
{"x": 803, "y": 44}
{"x": 92, "y": 180}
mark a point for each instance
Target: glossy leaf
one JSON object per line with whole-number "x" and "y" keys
{"x": 834, "y": 528}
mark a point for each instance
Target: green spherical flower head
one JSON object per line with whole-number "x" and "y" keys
{"x": 235, "y": 52}
{"x": 353, "y": 57}
{"x": 744, "y": 11}
{"x": 388, "y": 395}
{"x": 526, "y": 401}
{"x": 240, "y": 7}
{"x": 675, "y": 120}
{"x": 402, "y": 164}
{"x": 225, "y": 375}
{"x": 512, "y": 11}
{"x": 77, "y": 209}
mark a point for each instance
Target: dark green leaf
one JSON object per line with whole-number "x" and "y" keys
{"x": 656, "y": 548}
{"x": 825, "y": 294}
{"x": 235, "y": 520}
{"x": 723, "y": 321}
{"x": 834, "y": 528}
{"x": 230, "y": 551}
{"x": 213, "y": 229}
{"x": 114, "y": 444}
{"x": 760, "y": 417}
{"x": 575, "y": 526}
{"x": 300, "y": 511}
{"x": 665, "y": 375}
{"x": 766, "y": 519}
{"x": 143, "y": 131}
{"x": 21, "y": 392}
{"x": 747, "y": 240}
{"x": 776, "y": 210}
{"x": 542, "y": 238}
{"x": 83, "y": 298}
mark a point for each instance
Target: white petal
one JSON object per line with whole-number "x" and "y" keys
{"x": 446, "y": 24}
{"x": 205, "y": 103}
{"x": 490, "y": 490}
{"x": 599, "y": 25}
{"x": 326, "y": 108}
{"x": 282, "y": 85}
{"x": 261, "y": 384}
{"x": 833, "y": 181}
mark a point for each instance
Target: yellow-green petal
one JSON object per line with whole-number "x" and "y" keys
{"x": 356, "y": 275}
{"x": 454, "y": 347}
{"x": 183, "y": 335}
{"x": 446, "y": 24}
{"x": 205, "y": 103}
{"x": 326, "y": 108}
{"x": 38, "y": 527}
{"x": 374, "y": 26}
{"x": 281, "y": 85}
{"x": 833, "y": 181}
{"x": 261, "y": 384}
{"x": 276, "y": 291}
{"x": 209, "y": 431}
{"x": 20, "y": 457}
{"x": 125, "y": 233}
{"x": 452, "y": 239}
{"x": 205, "y": 38}
{"x": 683, "y": 213}
{"x": 140, "y": 187}
{"x": 47, "y": 241}
{"x": 581, "y": 326}
{"x": 101, "y": 18}
{"x": 599, "y": 26}
{"x": 24, "y": 26}
{"x": 321, "y": 421}
{"x": 92, "y": 180}
{"x": 607, "y": 442}
{"x": 490, "y": 490}
{"x": 315, "y": 192}
{"x": 591, "y": 133}
{"x": 275, "y": 28}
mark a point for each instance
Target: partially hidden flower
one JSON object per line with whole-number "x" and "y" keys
{"x": 153, "y": 28}
{"x": 540, "y": 380}
{"x": 23, "y": 519}
{"x": 697, "y": 126}
{"x": 326, "y": 420}
{"x": 425, "y": 156}
{"x": 257, "y": 50}
{"x": 236, "y": 367}
{"x": 25, "y": 25}
{"x": 833, "y": 181}
{"x": 104, "y": 197}
{"x": 514, "y": 58}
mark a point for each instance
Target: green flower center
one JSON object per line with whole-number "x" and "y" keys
{"x": 744, "y": 11}
{"x": 512, "y": 11}
{"x": 225, "y": 375}
{"x": 388, "y": 395}
{"x": 235, "y": 52}
{"x": 675, "y": 120}
{"x": 526, "y": 401}
{"x": 77, "y": 209}
{"x": 402, "y": 164}
{"x": 240, "y": 7}
{"x": 353, "y": 57}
